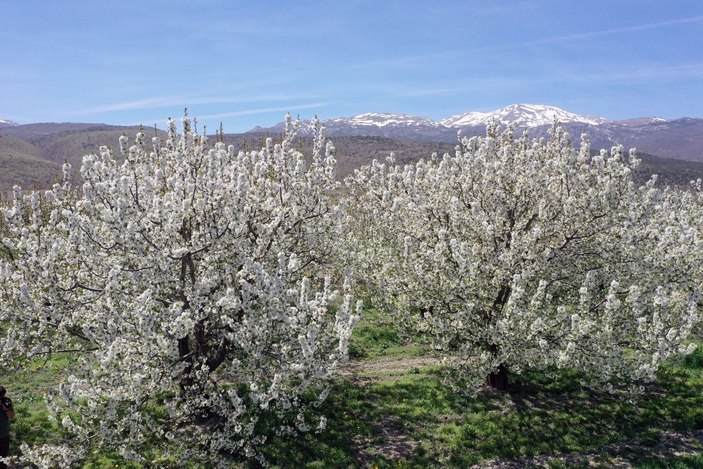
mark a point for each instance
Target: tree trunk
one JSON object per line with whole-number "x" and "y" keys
{"x": 499, "y": 380}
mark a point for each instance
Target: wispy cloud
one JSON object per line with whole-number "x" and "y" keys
{"x": 265, "y": 110}
{"x": 647, "y": 75}
{"x": 422, "y": 59}
{"x": 170, "y": 101}
{"x": 490, "y": 8}
{"x": 654, "y": 75}
{"x": 609, "y": 32}
{"x": 151, "y": 103}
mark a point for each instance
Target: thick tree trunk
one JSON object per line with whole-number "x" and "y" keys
{"x": 499, "y": 379}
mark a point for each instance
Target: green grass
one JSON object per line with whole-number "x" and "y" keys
{"x": 682, "y": 462}
{"x": 376, "y": 336}
{"x": 695, "y": 359}
{"x": 387, "y": 416}
{"x": 413, "y": 419}
{"x": 417, "y": 421}
{"x": 27, "y": 389}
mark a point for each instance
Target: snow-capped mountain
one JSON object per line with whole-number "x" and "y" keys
{"x": 369, "y": 119}
{"x": 679, "y": 138}
{"x": 383, "y": 120}
{"x": 389, "y": 125}
{"x": 7, "y": 123}
{"x": 524, "y": 115}
{"x": 372, "y": 124}
{"x": 403, "y": 126}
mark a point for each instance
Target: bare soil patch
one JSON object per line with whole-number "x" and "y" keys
{"x": 388, "y": 440}
{"x": 360, "y": 371}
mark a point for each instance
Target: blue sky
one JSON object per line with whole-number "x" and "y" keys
{"x": 247, "y": 63}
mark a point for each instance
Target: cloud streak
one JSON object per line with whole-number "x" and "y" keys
{"x": 421, "y": 59}
{"x": 266, "y": 110}
{"x": 609, "y": 32}
{"x": 170, "y": 101}
{"x": 647, "y": 75}
{"x": 152, "y": 103}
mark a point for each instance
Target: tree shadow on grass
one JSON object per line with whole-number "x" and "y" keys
{"x": 559, "y": 417}
{"x": 416, "y": 420}
{"x": 375, "y": 424}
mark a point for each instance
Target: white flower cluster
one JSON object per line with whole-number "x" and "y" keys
{"x": 518, "y": 253}
{"x": 195, "y": 279}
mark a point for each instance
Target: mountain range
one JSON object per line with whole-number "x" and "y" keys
{"x": 668, "y": 138}
{"x": 31, "y": 155}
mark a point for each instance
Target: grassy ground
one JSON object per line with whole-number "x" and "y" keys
{"x": 394, "y": 410}
{"x": 391, "y": 409}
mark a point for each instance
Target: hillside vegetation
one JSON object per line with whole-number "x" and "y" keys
{"x": 32, "y": 155}
{"x": 21, "y": 162}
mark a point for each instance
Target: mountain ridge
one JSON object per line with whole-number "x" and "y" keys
{"x": 522, "y": 115}
{"x": 668, "y": 138}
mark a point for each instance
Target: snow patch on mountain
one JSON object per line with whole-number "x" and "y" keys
{"x": 370, "y": 123}
{"x": 467, "y": 119}
{"x": 7, "y": 123}
{"x": 524, "y": 115}
{"x": 383, "y": 120}
{"x": 641, "y": 121}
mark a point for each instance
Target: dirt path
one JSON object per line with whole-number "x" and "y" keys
{"x": 359, "y": 371}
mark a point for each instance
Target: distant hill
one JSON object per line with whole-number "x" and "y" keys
{"x": 21, "y": 163}
{"x": 669, "y": 171}
{"x": 32, "y": 155}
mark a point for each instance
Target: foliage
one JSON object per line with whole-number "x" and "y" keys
{"x": 195, "y": 283}
{"x": 517, "y": 254}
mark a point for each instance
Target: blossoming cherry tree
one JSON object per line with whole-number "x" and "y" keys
{"x": 196, "y": 283}
{"x": 519, "y": 253}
